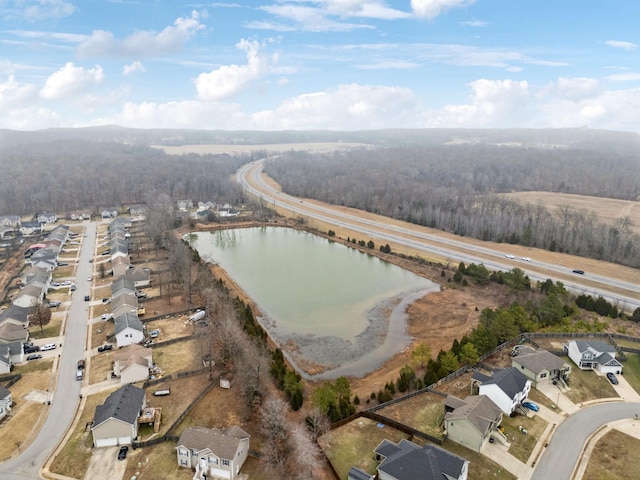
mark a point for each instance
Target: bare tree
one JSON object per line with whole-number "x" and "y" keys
{"x": 275, "y": 428}
{"x": 305, "y": 452}
{"x": 41, "y": 315}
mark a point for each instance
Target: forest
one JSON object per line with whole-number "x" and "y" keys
{"x": 455, "y": 188}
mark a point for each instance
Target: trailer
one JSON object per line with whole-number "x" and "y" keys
{"x": 198, "y": 315}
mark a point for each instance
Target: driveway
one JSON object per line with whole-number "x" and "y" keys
{"x": 105, "y": 464}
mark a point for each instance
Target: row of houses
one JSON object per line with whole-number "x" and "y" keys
{"x": 35, "y": 282}
{"x": 204, "y": 210}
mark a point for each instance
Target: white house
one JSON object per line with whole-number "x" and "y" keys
{"x": 507, "y": 388}
{"x": 28, "y": 297}
{"x": 116, "y": 420}
{"x": 5, "y": 359}
{"x": 407, "y": 461}
{"x": 5, "y": 402}
{"x": 593, "y": 355}
{"x": 128, "y": 329}
{"x": 210, "y": 451}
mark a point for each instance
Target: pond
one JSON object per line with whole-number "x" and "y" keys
{"x": 341, "y": 310}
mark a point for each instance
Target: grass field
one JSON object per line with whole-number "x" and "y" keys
{"x": 631, "y": 369}
{"x": 423, "y": 412}
{"x": 522, "y": 445}
{"x": 614, "y": 458}
{"x": 588, "y": 385}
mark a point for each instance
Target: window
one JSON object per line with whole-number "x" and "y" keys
{"x": 183, "y": 462}
{"x": 543, "y": 375}
{"x": 213, "y": 460}
{"x": 225, "y": 463}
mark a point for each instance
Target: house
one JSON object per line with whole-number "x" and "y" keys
{"x": 5, "y": 402}
{"x": 46, "y": 218}
{"x": 211, "y": 451}
{"x": 141, "y": 277}
{"x": 28, "y": 297}
{"x": 593, "y": 355}
{"x": 12, "y": 222}
{"x": 11, "y": 332}
{"x": 5, "y": 359}
{"x": 124, "y": 302}
{"x": 129, "y": 330}
{"x": 139, "y": 211}
{"x": 116, "y": 421}
{"x": 407, "y": 461}
{"x": 17, "y": 315}
{"x": 109, "y": 213}
{"x": 540, "y": 366}
{"x": 185, "y": 205}
{"x": 506, "y": 387}
{"x": 472, "y": 421}
{"x": 30, "y": 228}
{"x": 132, "y": 364}
{"x": 357, "y": 474}
{"x": 119, "y": 266}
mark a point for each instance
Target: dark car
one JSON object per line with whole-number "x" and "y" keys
{"x": 104, "y": 348}
{"x": 612, "y": 378}
{"x": 87, "y": 298}
{"x": 73, "y": 288}
{"x": 579, "y": 272}
{"x": 122, "y": 454}
{"x": 35, "y": 356}
{"x": 32, "y": 349}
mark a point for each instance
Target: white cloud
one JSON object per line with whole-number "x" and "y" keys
{"x": 133, "y": 68}
{"x": 70, "y": 80}
{"x": 474, "y": 23}
{"x": 42, "y": 35}
{"x": 388, "y": 65}
{"x": 38, "y": 10}
{"x": 31, "y": 118}
{"x": 229, "y": 80}
{"x": 576, "y": 88}
{"x": 348, "y": 107}
{"x": 624, "y": 77}
{"x": 13, "y": 93}
{"x": 432, "y": 8}
{"x": 620, "y": 44}
{"x": 144, "y": 43}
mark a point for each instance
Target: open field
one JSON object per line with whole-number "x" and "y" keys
{"x": 522, "y": 445}
{"x": 614, "y": 458}
{"x": 423, "y": 412}
{"x": 607, "y": 210}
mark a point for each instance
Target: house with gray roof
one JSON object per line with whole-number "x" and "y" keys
{"x": 5, "y": 359}
{"x": 28, "y": 296}
{"x": 124, "y": 302}
{"x": 213, "y": 452}
{"x": 141, "y": 277}
{"x": 10, "y": 221}
{"x": 5, "y": 402}
{"x": 540, "y": 366}
{"x": 407, "y": 461}
{"x": 128, "y": 329}
{"x": 30, "y": 228}
{"x": 17, "y": 315}
{"x": 593, "y": 355}
{"x": 116, "y": 421}
{"x": 472, "y": 421}
{"x": 356, "y": 473}
{"x": 506, "y": 387}
{"x": 11, "y": 332}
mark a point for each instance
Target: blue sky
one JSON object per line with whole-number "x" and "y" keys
{"x": 311, "y": 64}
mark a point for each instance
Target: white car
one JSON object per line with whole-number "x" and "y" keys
{"x": 105, "y": 316}
{"x": 48, "y": 346}
{"x": 508, "y": 255}
{"x": 526, "y": 259}
{"x": 89, "y": 278}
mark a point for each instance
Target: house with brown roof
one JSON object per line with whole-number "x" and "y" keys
{"x": 540, "y": 366}
{"x": 132, "y": 364}
{"x": 213, "y": 452}
{"x": 471, "y": 422}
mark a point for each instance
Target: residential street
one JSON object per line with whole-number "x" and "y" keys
{"x": 66, "y": 397}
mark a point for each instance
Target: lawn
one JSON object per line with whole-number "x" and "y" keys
{"x": 73, "y": 460}
{"x": 631, "y": 370}
{"x": 423, "y": 412}
{"x": 52, "y": 329}
{"x": 522, "y": 445}
{"x": 353, "y": 445}
{"x": 586, "y": 385}
{"x": 480, "y": 467}
{"x": 614, "y": 458}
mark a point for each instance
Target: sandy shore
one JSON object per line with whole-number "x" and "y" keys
{"x": 326, "y": 357}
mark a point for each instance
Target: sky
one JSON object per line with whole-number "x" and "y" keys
{"x": 320, "y": 64}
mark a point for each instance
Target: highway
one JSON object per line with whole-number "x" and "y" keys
{"x": 66, "y": 396}
{"x": 624, "y": 294}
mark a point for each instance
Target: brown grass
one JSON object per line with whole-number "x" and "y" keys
{"x": 522, "y": 445}
{"x": 586, "y": 385}
{"x": 423, "y": 412}
{"x": 614, "y": 458}
{"x": 607, "y": 210}
{"x": 73, "y": 460}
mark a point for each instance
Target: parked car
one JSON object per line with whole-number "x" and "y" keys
{"x": 612, "y": 378}
{"x": 141, "y": 294}
{"x": 105, "y": 316}
{"x": 62, "y": 264}
{"x": 122, "y": 454}
{"x": 35, "y": 356}
{"x": 54, "y": 304}
{"x": 48, "y": 346}
{"x": 80, "y": 364}
{"x": 106, "y": 300}
{"x": 87, "y": 298}
{"x": 73, "y": 288}
{"x": 531, "y": 406}
{"x": 104, "y": 348}
{"x": 89, "y": 278}
{"x": 31, "y": 348}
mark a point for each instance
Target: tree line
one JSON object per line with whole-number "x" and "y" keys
{"x": 456, "y": 188}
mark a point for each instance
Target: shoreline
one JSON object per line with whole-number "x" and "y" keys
{"x": 331, "y": 357}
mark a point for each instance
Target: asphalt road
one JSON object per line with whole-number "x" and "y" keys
{"x": 66, "y": 397}
{"x": 616, "y": 291}
{"x": 564, "y": 450}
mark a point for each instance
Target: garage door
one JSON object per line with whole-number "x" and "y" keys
{"x": 106, "y": 442}
{"x": 124, "y": 440}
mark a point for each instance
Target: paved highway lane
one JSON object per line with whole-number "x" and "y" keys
{"x": 66, "y": 397}
{"x": 564, "y": 450}
{"x": 616, "y": 291}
